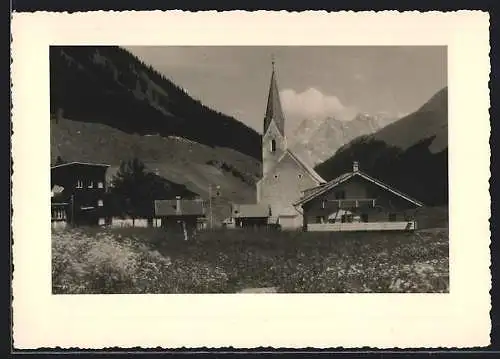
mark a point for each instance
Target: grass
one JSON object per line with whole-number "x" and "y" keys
{"x": 144, "y": 260}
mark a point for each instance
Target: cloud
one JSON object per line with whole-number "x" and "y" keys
{"x": 313, "y": 104}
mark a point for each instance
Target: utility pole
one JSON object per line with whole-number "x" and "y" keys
{"x": 210, "y": 202}
{"x": 73, "y": 210}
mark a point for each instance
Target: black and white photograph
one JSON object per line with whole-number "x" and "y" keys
{"x": 250, "y": 180}
{"x": 249, "y": 169}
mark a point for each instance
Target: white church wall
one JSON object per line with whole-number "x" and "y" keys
{"x": 282, "y": 186}
{"x": 270, "y": 158}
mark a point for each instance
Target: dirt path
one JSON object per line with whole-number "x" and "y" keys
{"x": 259, "y": 290}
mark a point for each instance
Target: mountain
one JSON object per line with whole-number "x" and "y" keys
{"x": 109, "y": 85}
{"x": 107, "y": 106}
{"x": 430, "y": 120}
{"x": 411, "y": 154}
{"x": 318, "y": 139}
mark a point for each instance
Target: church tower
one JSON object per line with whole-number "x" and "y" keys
{"x": 273, "y": 139}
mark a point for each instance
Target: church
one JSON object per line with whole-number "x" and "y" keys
{"x": 284, "y": 175}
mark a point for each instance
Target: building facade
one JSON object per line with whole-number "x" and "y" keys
{"x": 249, "y": 216}
{"x": 357, "y": 201}
{"x": 83, "y": 193}
{"x": 181, "y": 215}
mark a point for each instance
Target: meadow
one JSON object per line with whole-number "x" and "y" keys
{"x": 148, "y": 260}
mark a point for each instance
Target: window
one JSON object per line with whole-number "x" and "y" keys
{"x": 323, "y": 204}
{"x": 102, "y": 221}
{"x": 276, "y": 176}
{"x": 100, "y": 185}
{"x": 340, "y": 194}
{"x": 273, "y": 145}
{"x": 91, "y": 184}
{"x": 79, "y": 184}
{"x": 300, "y": 176}
{"x": 392, "y": 217}
{"x": 100, "y": 203}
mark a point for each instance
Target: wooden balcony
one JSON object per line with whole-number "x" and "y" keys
{"x": 58, "y": 212}
{"x": 349, "y": 203}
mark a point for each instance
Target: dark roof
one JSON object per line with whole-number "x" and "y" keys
{"x": 80, "y": 164}
{"x": 312, "y": 192}
{"x": 168, "y": 207}
{"x": 315, "y": 192}
{"x": 250, "y": 211}
{"x": 274, "y": 110}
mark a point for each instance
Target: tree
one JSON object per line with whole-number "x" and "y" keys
{"x": 127, "y": 186}
{"x": 134, "y": 190}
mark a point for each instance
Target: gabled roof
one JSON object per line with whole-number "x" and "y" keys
{"x": 250, "y": 211}
{"x": 306, "y": 167}
{"x": 301, "y": 164}
{"x": 168, "y": 207}
{"x": 80, "y": 163}
{"x": 273, "y": 109}
{"x": 315, "y": 192}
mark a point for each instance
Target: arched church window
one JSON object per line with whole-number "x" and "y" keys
{"x": 273, "y": 145}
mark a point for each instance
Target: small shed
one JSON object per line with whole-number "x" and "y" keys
{"x": 181, "y": 215}
{"x": 250, "y": 215}
{"x": 289, "y": 220}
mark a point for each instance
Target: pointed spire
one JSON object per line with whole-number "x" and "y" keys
{"x": 273, "y": 110}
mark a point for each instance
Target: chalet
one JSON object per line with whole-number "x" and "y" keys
{"x": 78, "y": 191}
{"x": 181, "y": 215}
{"x": 355, "y": 201}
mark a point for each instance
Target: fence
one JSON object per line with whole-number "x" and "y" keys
{"x": 363, "y": 226}
{"x": 137, "y": 223}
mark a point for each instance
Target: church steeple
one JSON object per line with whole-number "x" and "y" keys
{"x": 273, "y": 139}
{"x": 273, "y": 110}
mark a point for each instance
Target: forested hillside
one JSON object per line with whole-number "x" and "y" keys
{"x": 108, "y": 85}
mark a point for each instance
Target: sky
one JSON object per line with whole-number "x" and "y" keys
{"x": 314, "y": 82}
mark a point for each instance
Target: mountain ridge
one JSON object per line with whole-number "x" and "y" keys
{"x": 410, "y": 154}
{"x": 318, "y": 139}
{"x": 115, "y": 88}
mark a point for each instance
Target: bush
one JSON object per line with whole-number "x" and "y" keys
{"x": 114, "y": 264}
